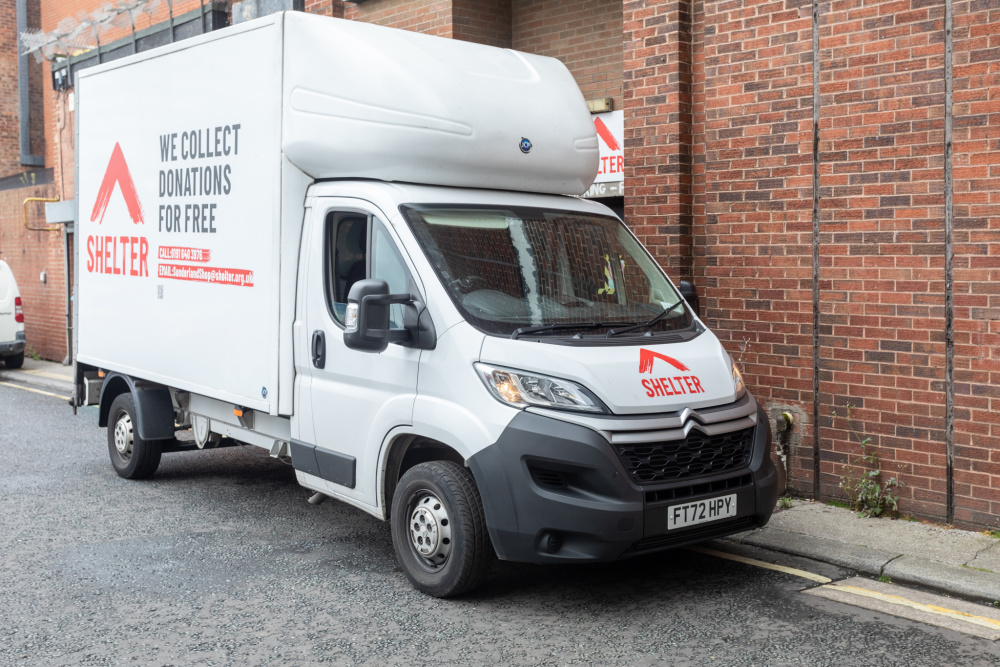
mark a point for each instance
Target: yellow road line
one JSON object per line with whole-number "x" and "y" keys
{"x": 927, "y": 608}
{"x": 32, "y": 389}
{"x": 855, "y": 590}
{"x": 52, "y": 376}
{"x": 762, "y": 564}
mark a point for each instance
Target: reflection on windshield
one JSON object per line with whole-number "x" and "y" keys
{"x": 507, "y": 269}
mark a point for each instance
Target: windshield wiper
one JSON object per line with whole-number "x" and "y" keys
{"x": 564, "y": 325}
{"x": 646, "y": 325}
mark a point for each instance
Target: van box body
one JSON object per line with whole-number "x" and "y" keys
{"x": 189, "y": 228}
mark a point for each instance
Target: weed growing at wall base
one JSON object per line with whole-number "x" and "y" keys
{"x": 861, "y": 479}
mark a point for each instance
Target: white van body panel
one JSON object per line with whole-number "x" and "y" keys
{"x": 203, "y": 312}
{"x": 618, "y": 376}
{"x": 453, "y": 406}
{"x": 355, "y": 109}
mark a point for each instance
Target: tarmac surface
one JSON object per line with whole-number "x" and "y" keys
{"x": 957, "y": 562}
{"x": 220, "y": 560}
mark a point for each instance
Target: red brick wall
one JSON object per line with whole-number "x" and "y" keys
{"x": 9, "y": 147}
{"x": 433, "y": 17}
{"x": 483, "y": 21}
{"x": 977, "y": 261}
{"x": 657, "y": 91}
{"x": 748, "y": 193}
{"x": 882, "y": 265}
{"x": 10, "y": 151}
{"x": 586, "y": 35}
{"x": 333, "y": 8}
{"x": 753, "y": 198}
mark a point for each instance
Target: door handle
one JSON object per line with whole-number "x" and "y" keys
{"x": 319, "y": 348}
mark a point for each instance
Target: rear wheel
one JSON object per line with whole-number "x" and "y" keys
{"x": 131, "y": 456}
{"x": 439, "y": 529}
{"x": 14, "y": 360}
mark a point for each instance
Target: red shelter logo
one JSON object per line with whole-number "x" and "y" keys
{"x": 117, "y": 173}
{"x": 672, "y": 385}
{"x": 647, "y": 357}
{"x": 117, "y": 255}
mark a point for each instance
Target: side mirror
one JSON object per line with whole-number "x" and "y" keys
{"x": 690, "y": 295}
{"x": 367, "y": 319}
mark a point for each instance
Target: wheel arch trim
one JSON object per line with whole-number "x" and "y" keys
{"x": 395, "y": 445}
{"x": 153, "y": 407}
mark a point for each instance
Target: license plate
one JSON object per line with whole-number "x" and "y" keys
{"x": 701, "y": 511}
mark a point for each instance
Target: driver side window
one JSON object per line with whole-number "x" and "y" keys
{"x": 359, "y": 246}
{"x": 346, "y": 258}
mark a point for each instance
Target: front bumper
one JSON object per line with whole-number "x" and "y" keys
{"x": 556, "y": 492}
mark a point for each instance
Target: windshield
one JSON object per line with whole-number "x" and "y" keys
{"x": 510, "y": 269}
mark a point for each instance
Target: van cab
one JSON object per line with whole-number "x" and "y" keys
{"x": 533, "y": 341}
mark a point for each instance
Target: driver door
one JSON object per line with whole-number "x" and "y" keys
{"x": 357, "y": 397}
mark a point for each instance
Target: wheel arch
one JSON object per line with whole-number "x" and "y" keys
{"x": 153, "y": 407}
{"x": 405, "y": 451}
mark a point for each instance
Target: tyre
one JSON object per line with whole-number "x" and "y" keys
{"x": 14, "y": 360}
{"x": 439, "y": 529}
{"x": 131, "y": 456}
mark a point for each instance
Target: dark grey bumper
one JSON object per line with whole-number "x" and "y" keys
{"x": 557, "y": 492}
{"x": 11, "y": 348}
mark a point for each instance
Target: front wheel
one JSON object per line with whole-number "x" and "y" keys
{"x": 131, "y": 456}
{"x": 439, "y": 529}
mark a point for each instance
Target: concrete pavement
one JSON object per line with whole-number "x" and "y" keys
{"x": 43, "y": 375}
{"x": 957, "y": 562}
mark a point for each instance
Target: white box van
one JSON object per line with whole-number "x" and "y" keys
{"x": 352, "y": 246}
{"x": 11, "y": 320}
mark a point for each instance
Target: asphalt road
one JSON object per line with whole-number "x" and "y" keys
{"x": 219, "y": 560}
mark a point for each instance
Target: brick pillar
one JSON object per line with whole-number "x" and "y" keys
{"x": 976, "y": 164}
{"x": 882, "y": 243}
{"x": 753, "y": 202}
{"x": 658, "y": 129}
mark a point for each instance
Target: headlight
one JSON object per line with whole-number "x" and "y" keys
{"x": 521, "y": 390}
{"x": 738, "y": 382}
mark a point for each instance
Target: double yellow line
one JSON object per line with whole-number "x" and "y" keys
{"x": 855, "y": 590}
{"x": 33, "y": 390}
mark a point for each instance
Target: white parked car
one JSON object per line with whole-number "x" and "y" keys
{"x": 11, "y": 319}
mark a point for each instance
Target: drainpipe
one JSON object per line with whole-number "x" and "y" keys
{"x": 23, "y": 101}
{"x": 67, "y": 249}
{"x": 67, "y": 245}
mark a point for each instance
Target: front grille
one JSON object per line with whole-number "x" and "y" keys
{"x": 697, "y": 454}
{"x": 703, "y": 488}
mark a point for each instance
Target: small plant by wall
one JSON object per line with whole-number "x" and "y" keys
{"x": 868, "y": 493}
